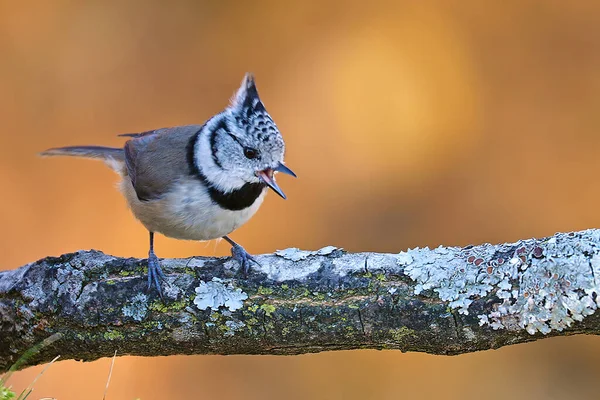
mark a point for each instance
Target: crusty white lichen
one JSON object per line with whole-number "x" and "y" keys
{"x": 217, "y": 293}
{"x": 233, "y": 326}
{"x": 305, "y": 263}
{"x": 541, "y": 285}
{"x": 361, "y": 262}
{"x": 11, "y": 278}
{"x": 137, "y": 307}
{"x": 295, "y": 254}
{"x": 68, "y": 282}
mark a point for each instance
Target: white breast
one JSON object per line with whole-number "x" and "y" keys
{"x": 187, "y": 212}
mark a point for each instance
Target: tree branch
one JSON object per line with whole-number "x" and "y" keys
{"x": 447, "y": 300}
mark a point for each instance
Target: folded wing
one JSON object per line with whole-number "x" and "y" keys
{"x": 155, "y": 160}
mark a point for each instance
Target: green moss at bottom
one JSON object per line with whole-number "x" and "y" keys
{"x": 402, "y": 333}
{"x": 159, "y": 306}
{"x": 268, "y": 309}
{"x": 112, "y": 335}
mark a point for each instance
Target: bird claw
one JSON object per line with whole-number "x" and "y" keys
{"x": 243, "y": 258}
{"x": 155, "y": 274}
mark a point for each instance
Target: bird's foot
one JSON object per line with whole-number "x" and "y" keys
{"x": 155, "y": 273}
{"x": 242, "y": 257}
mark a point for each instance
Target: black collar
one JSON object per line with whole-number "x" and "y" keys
{"x": 235, "y": 200}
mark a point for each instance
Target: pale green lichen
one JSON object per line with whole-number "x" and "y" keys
{"x": 217, "y": 293}
{"x": 137, "y": 307}
{"x": 543, "y": 285}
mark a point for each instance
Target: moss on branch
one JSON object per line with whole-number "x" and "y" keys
{"x": 443, "y": 301}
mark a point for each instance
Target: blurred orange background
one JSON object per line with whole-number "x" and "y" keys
{"x": 408, "y": 123}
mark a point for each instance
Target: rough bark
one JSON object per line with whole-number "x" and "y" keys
{"x": 446, "y": 300}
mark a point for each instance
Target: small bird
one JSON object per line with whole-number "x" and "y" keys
{"x": 198, "y": 182}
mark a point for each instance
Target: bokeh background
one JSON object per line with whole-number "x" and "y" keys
{"x": 408, "y": 123}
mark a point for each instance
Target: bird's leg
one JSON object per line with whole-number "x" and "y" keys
{"x": 154, "y": 271}
{"x": 241, "y": 255}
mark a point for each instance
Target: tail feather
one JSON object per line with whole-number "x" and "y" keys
{"x": 86, "y": 151}
{"x": 112, "y": 156}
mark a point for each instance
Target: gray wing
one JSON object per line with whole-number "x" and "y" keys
{"x": 157, "y": 159}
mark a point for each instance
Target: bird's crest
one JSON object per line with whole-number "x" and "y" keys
{"x": 246, "y": 100}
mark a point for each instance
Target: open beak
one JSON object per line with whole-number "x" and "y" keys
{"x": 282, "y": 168}
{"x": 267, "y": 176}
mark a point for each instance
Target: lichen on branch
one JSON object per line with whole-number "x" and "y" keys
{"x": 447, "y": 300}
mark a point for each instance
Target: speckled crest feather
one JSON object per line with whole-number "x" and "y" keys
{"x": 251, "y": 114}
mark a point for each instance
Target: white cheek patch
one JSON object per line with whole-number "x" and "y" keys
{"x": 203, "y": 157}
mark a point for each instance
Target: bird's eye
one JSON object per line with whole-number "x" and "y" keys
{"x": 250, "y": 153}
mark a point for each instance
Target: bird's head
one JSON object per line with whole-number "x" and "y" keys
{"x": 242, "y": 144}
